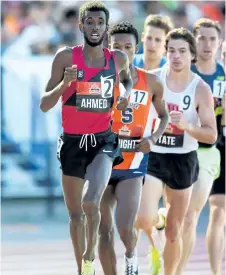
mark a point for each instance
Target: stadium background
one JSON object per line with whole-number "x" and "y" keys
{"x": 31, "y": 32}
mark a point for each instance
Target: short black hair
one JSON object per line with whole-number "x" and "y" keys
{"x": 93, "y": 6}
{"x": 187, "y": 36}
{"x": 124, "y": 27}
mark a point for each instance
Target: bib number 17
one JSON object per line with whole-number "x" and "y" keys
{"x": 139, "y": 97}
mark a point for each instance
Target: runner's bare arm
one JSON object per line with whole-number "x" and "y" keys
{"x": 56, "y": 86}
{"x": 207, "y": 133}
{"x": 156, "y": 88}
{"x": 124, "y": 71}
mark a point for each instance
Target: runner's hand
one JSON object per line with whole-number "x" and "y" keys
{"x": 122, "y": 103}
{"x": 177, "y": 119}
{"x": 70, "y": 75}
{"x": 145, "y": 145}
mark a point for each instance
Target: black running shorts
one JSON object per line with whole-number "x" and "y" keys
{"x": 178, "y": 171}
{"x": 219, "y": 183}
{"x": 76, "y": 152}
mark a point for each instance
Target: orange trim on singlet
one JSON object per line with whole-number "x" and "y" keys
{"x": 132, "y": 122}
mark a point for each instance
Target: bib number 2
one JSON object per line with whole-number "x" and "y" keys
{"x": 107, "y": 87}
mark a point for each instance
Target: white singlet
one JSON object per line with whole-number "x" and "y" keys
{"x": 175, "y": 140}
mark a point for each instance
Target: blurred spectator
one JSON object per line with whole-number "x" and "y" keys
{"x": 36, "y": 36}
{"x": 68, "y": 27}
{"x": 180, "y": 18}
{"x": 41, "y": 27}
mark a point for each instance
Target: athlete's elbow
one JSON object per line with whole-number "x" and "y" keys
{"x": 43, "y": 106}
{"x": 212, "y": 137}
{"x": 164, "y": 116}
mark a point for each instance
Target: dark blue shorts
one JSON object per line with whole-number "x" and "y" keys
{"x": 120, "y": 175}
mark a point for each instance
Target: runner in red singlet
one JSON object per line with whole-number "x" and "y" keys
{"x": 84, "y": 77}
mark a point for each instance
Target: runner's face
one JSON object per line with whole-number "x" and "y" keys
{"x": 126, "y": 43}
{"x": 208, "y": 42}
{"x": 94, "y": 27}
{"x": 179, "y": 55}
{"x": 154, "y": 40}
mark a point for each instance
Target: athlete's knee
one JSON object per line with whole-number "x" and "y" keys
{"x": 90, "y": 207}
{"x": 106, "y": 234}
{"x": 173, "y": 230}
{"x": 126, "y": 233}
{"x": 217, "y": 215}
{"x": 191, "y": 219}
{"x": 77, "y": 219}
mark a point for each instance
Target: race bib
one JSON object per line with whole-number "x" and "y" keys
{"x": 128, "y": 144}
{"x": 139, "y": 97}
{"x": 171, "y": 138}
{"x": 219, "y": 88}
{"x": 89, "y": 97}
{"x": 107, "y": 87}
{"x": 128, "y": 136}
